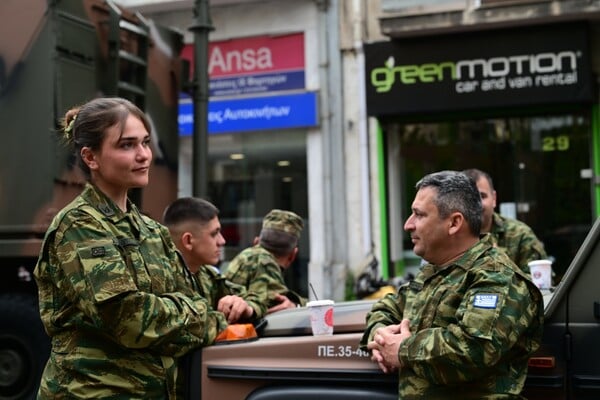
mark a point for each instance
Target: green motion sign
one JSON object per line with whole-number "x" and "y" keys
{"x": 544, "y": 69}
{"x": 500, "y": 68}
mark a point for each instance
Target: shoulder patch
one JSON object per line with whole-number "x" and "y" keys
{"x": 98, "y": 251}
{"x": 415, "y": 286}
{"x": 485, "y": 300}
{"x": 106, "y": 210}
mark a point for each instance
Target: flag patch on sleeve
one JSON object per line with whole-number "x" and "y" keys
{"x": 485, "y": 300}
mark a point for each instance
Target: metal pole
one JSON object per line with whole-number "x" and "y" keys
{"x": 201, "y": 27}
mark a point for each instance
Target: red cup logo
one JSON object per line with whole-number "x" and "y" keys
{"x": 329, "y": 317}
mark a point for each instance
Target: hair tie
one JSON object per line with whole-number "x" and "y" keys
{"x": 68, "y": 132}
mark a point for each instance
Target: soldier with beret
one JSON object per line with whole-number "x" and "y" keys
{"x": 195, "y": 228}
{"x": 259, "y": 268}
{"x": 115, "y": 296}
{"x": 513, "y": 236}
{"x": 467, "y": 324}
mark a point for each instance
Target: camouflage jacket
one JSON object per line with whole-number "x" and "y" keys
{"x": 256, "y": 269}
{"x": 212, "y": 285}
{"x": 474, "y": 325}
{"x": 518, "y": 240}
{"x": 117, "y": 302}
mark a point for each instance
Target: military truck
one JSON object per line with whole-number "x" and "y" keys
{"x": 55, "y": 54}
{"x": 287, "y": 362}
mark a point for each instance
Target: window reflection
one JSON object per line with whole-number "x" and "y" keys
{"x": 541, "y": 167}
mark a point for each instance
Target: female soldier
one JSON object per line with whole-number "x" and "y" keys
{"x": 115, "y": 297}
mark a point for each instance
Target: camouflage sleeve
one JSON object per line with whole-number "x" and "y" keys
{"x": 215, "y": 286}
{"x": 216, "y": 321}
{"x": 253, "y": 299}
{"x": 530, "y": 248}
{"x": 492, "y": 317}
{"x": 247, "y": 269}
{"x": 269, "y": 276}
{"x": 296, "y": 298}
{"x": 208, "y": 286}
{"x": 386, "y": 311}
{"x": 104, "y": 289}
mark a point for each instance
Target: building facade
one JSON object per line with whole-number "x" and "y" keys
{"x": 402, "y": 88}
{"x": 509, "y": 87}
{"x": 277, "y": 137}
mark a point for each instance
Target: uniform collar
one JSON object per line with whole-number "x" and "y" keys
{"x": 102, "y": 202}
{"x": 498, "y": 225}
{"x": 466, "y": 260}
{"x": 97, "y": 199}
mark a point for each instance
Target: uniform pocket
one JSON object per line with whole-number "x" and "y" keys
{"x": 105, "y": 270}
{"x": 481, "y": 313}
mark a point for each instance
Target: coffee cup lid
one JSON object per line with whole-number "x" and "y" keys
{"x": 316, "y": 303}
{"x": 539, "y": 262}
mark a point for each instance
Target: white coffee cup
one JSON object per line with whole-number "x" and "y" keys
{"x": 541, "y": 273}
{"x": 321, "y": 316}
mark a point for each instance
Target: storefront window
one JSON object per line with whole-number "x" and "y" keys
{"x": 250, "y": 174}
{"x": 541, "y": 167}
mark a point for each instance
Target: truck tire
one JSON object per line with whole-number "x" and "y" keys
{"x": 295, "y": 392}
{"x": 24, "y": 346}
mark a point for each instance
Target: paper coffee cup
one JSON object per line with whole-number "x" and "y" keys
{"x": 541, "y": 273}
{"x": 321, "y": 316}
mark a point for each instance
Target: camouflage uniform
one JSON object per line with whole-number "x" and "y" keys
{"x": 518, "y": 240}
{"x": 257, "y": 269}
{"x": 118, "y": 304}
{"x": 212, "y": 285}
{"x": 475, "y": 323}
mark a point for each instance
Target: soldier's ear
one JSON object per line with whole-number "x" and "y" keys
{"x": 187, "y": 240}
{"x": 456, "y": 221}
{"x": 89, "y": 158}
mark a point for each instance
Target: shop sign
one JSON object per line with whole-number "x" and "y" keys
{"x": 503, "y": 68}
{"x": 254, "y": 65}
{"x": 253, "y": 114}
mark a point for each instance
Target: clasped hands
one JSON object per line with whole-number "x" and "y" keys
{"x": 386, "y": 343}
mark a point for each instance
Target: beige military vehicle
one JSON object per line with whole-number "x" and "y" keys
{"x": 287, "y": 363}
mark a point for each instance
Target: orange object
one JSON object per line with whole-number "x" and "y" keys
{"x": 237, "y": 332}
{"x": 381, "y": 292}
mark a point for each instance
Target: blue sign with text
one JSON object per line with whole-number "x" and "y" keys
{"x": 252, "y": 114}
{"x": 256, "y": 84}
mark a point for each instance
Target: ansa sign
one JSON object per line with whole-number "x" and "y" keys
{"x": 257, "y": 64}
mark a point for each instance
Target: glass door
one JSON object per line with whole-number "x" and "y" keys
{"x": 540, "y": 165}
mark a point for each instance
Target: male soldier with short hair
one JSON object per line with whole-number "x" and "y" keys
{"x": 513, "y": 236}
{"x": 195, "y": 228}
{"x": 259, "y": 268}
{"x": 467, "y": 324}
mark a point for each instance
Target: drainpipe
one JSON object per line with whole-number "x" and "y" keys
{"x": 363, "y": 134}
{"x": 334, "y": 187}
{"x": 201, "y": 27}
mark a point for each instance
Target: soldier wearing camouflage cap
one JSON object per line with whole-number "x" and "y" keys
{"x": 259, "y": 268}
{"x": 513, "y": 236}
{"x": 114, "y": 294}
{"x": 466, "y": 326}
